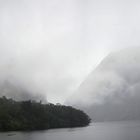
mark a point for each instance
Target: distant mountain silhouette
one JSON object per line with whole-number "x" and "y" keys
{"x": 112, "y": 91}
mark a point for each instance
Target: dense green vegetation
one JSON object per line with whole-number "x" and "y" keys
{"x": 31, "y": 115}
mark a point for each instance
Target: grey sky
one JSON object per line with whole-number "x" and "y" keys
{"x": 50, "y": 46}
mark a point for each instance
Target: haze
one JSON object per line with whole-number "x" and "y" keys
{"x": 48, "y": 47}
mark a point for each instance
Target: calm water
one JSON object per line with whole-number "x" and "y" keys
{"x": 96, "y": 131}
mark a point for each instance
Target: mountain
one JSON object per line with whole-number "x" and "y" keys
{"x": 112, "y": 91}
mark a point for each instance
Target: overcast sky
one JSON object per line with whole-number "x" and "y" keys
{"x": 50, "y": 46}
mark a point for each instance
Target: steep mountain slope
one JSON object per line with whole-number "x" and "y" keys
{"x": 112, "y": 90}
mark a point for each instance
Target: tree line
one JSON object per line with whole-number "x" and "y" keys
{"x": 32, "y": 115}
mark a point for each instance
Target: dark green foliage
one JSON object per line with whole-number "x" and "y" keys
{"x": 31, "y": 115}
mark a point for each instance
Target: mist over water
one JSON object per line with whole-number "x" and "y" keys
{"x": 81, "y": 53}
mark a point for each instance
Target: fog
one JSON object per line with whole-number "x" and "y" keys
{"x": 42, "y": 47}
{"x": 111, "y": 91}
{"x": 48, "y": 48}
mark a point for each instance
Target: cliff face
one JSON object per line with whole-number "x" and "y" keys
{"x": 111, "y": 91}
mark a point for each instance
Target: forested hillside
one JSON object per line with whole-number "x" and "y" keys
{"x": 31, "y": 115}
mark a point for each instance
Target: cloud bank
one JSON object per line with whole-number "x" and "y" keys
{"x": 42, "y": 46}
{"x": 49, "y": 47}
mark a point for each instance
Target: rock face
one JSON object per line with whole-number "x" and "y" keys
{"x": 112, "y": 91}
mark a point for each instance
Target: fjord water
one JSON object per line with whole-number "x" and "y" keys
{"x": 122, "y": 130}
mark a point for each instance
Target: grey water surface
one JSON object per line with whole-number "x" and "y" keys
{"x": 123, "y": 130}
